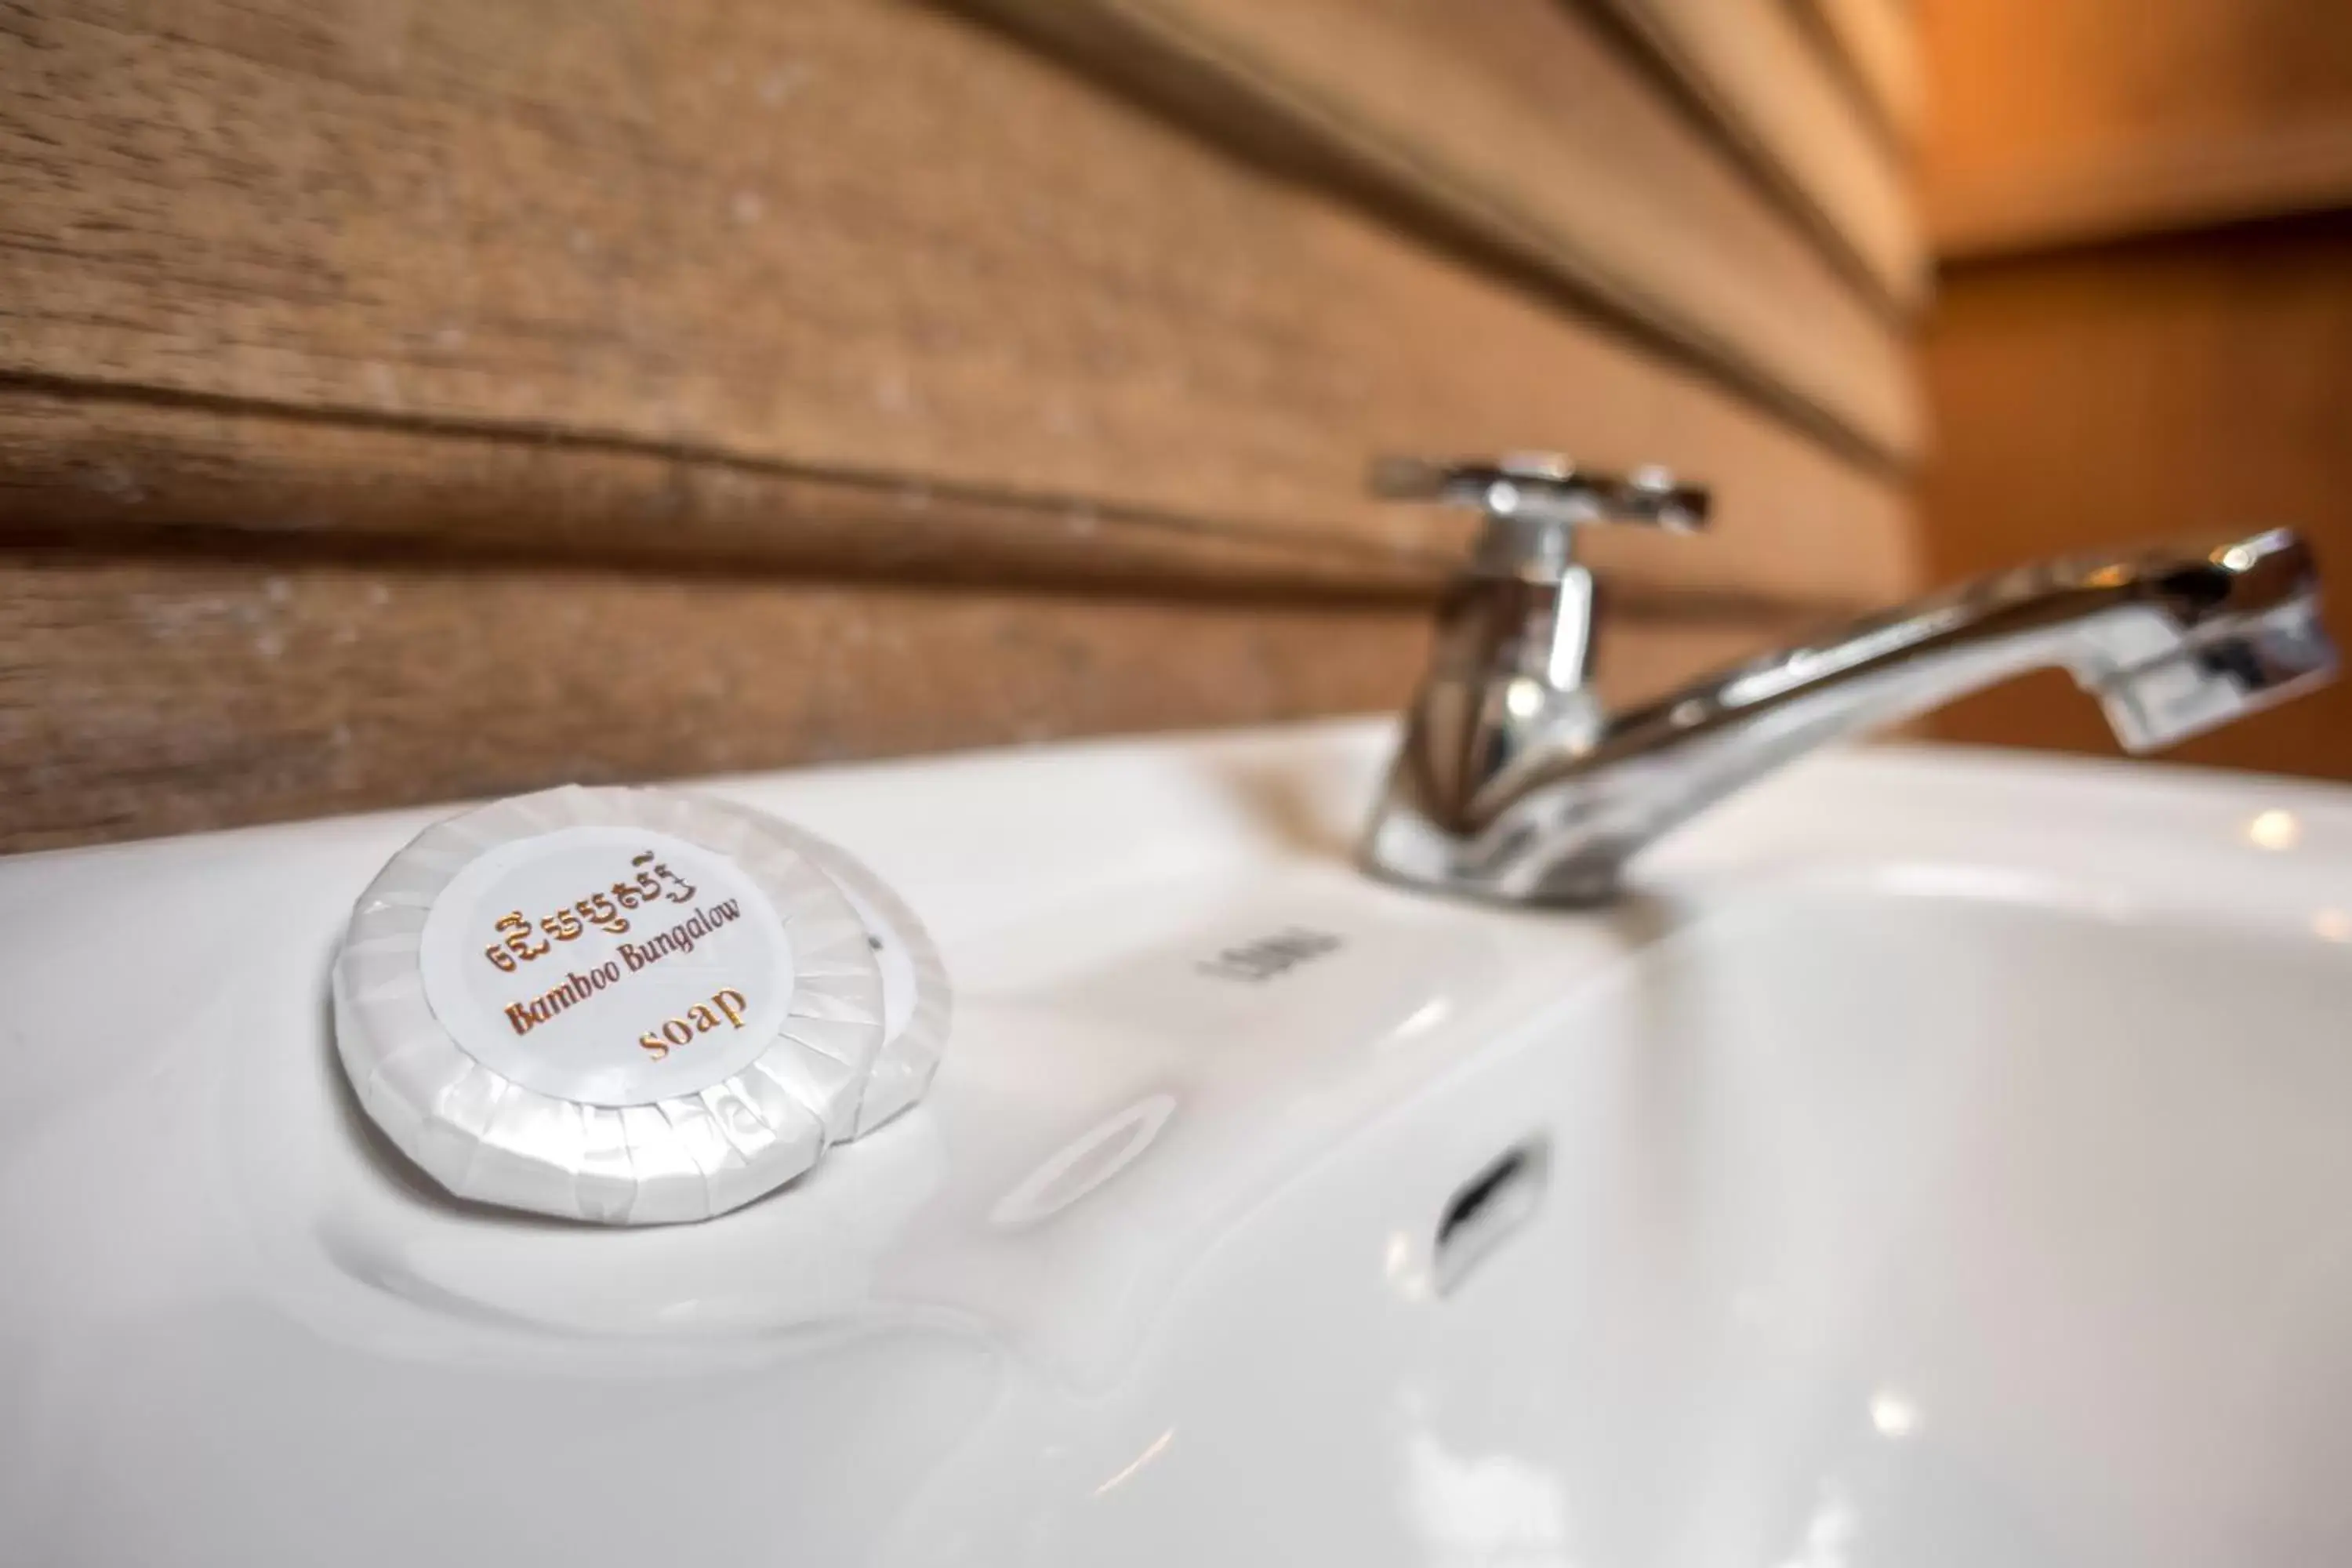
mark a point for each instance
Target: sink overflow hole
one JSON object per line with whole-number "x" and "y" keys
{"x": 1488, "y": 1207}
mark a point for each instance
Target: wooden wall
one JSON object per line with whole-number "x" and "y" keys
{"x": 2059, "y": 121}
{"x": 399, "y": 403}
{"x": 2145, "y": 322}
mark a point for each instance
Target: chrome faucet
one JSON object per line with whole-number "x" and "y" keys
{"x": 1514, "y": 782}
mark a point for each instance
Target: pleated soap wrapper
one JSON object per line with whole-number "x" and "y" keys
{"x": 915, "y": 997}
{"x": 633, "y": 1006}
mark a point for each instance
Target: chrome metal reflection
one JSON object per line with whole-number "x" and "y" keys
{"x": 1515, "y": 782}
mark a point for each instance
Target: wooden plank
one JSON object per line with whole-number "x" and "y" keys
{"x": 174, "y": 474}
{"x": 1516, "y": 122}
{"x": 2184, "y": 385}
{"x": 2103, "y": 119}
{"x": 1752, "y": 66}
{"x": 405, "y": 404}
{"x": 1878, "y": 43}
{"x": 2160, "y": 186}
{"x": 574, "y": 222}
{"x": 143, "y": 696}
{"x": 1796, "y": 528}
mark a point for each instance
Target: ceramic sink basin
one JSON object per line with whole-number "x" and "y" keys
{"x": 1940, "y": 1158}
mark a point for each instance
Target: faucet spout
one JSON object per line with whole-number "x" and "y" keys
{"x": 1515, "y": 786}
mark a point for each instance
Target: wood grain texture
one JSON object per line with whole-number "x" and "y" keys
{"x": 2058, "y": 124}
{"x": 399, "y": 403}
{"x": 1518, "y": 122}
{"x": 143, "y": 696}
{"x": 170, "y": 474}
{"x": 2188, "y": 384}
{"x": 1777, "y": 96}
{"x": 1877, "y": 42}
{"x": 586, "y": 222}
{"x": 1794, "y": 528}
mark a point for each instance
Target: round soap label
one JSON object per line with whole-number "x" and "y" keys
{"x": 608, "y": 966}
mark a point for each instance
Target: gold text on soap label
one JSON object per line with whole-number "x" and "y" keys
{"x": 725, "y": 1004}
{"x": 679, "y": 938}
{"x": 699, "y": 1019}
{"x": 651, "y": 883}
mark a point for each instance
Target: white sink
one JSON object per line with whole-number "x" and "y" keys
{"x": 1943, "y": 1158}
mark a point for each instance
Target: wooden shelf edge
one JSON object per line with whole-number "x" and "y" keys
{"x": 2145, "y": 188}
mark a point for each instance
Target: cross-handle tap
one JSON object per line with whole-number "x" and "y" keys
{"x": 1514, "y": 782}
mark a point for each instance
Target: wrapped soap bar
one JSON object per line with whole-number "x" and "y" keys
{"x": 627, "y": 1005}
{"x": 915, "y": 991}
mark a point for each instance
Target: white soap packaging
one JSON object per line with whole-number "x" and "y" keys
{"x": 634, "y": 1006}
